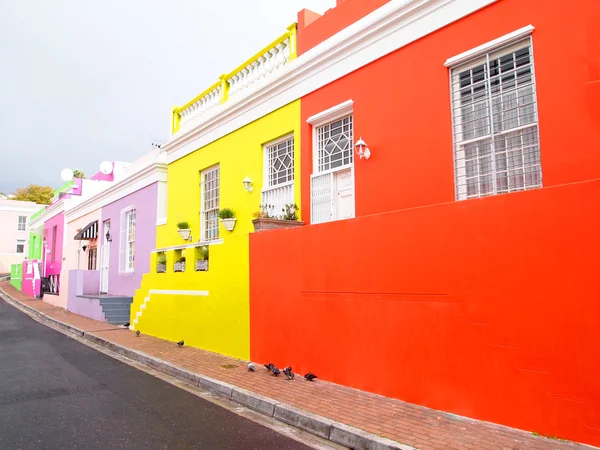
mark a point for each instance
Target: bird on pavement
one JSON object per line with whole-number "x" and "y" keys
{"x": 288, "y": 373}
{"x": 180, "y": 343}
{"x": 269, "y": 366}
{"x": 275, "y": 371}
{"x": 310, "y": 376}
{"x": 251, "y": 367}
{"x": 137, "y": 332}
{"x": 126, "y": 325}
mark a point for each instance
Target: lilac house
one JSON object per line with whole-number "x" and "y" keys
{"x": 122, "y": 232}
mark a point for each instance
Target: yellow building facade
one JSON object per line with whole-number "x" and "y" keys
{"x": 210, "y": 308}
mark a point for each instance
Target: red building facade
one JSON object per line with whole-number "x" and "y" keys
{"x": 456, "y": 267}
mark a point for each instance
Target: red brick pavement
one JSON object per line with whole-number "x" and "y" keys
{"x": 420, "y": 427}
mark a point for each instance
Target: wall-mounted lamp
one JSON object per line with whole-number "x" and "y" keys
{"x": 84, "y": 248}
{"x": 248, "y": 184}
{"x": 108, "y": 238}
{"x": 362, "y": 150}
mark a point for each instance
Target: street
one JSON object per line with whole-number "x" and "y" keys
{"x": 57, "y": 393}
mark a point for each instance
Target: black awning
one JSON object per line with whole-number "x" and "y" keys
{"x": 89, "y": 232}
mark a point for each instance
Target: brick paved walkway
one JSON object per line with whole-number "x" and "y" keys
{"x": 420, "y": 427}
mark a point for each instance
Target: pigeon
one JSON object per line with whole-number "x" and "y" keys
{"x": 137, "y": 332}
{"x": 310, "y": 376}
{"x": 180, "y": 343}
{"x": 251, "y": 367}
{"x": 275, "y": 371}
{"x": 126, "y": 325}
{"x": 288, "y": 373}
{"x": 269, "y": 366}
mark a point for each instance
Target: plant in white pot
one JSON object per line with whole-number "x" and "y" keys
{"x": 179, "y": 266}
{"x": 227, "y": 217}
{"x": 202, "y": 258}
{"x": 184, "y": 230}
{"x": 161, "y": 263}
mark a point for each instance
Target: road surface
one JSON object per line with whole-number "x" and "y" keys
{"x": 57, "y": 393}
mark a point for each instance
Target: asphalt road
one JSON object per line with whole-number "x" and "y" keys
{"x": 57, "y": 393}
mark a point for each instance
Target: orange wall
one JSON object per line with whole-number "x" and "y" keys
{"x": 487, "y": 308}
{"x": 402, "y": 105}
{"x": 312, "y": 29}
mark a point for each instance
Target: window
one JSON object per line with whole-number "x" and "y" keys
{"x": 53, "y": 248}
{"x": 279, "y": 174}
{"x": 332, "y": 181}
{"x": 22, "y": 223}
{"x": 495, "y": 123}
{"x": 209, "y": 199}
{"x": 335, "y": 145}
{"x": 127, "y": 241}
{"x": 92, "y": 255}
{"x": 20, "y": 246}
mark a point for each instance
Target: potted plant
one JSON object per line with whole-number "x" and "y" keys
{"x": 202, "y": 258}
{"x": 184, "y": 230}
{"x": 179, "y": 266}
{"x": 161, "y": 263}
{"x": 227, "y": 217}
{"x": 265, "y": 219}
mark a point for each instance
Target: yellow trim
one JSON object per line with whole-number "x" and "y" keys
{"x": 291, "y": 34}
{"x": 279, "y": 40}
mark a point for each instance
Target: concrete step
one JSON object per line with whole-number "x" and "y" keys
{"x": 115, "y": 307}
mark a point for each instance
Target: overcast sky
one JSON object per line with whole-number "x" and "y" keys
{"x": 84, "y": 81}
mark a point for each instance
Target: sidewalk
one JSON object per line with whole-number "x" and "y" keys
{"x": 293, "y": 402}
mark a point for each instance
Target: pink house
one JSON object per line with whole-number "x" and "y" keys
{"x": 53, "y": 229}
{"x": 14, "y": 216}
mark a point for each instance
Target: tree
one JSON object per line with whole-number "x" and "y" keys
{"x": 35, "y": 193}
{"x": 78, "y": 174}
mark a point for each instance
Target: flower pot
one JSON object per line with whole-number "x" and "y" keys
{"x": 185, "y": 233}
{"x": 179, "y": 266}
{"x": 202, "y": 265}
{"x": 229, "y": 224}
{"x": 161, "y": 268}
{"x": 273, "y": 224}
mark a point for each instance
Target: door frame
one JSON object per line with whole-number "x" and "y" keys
{"x": 105, "y": 253}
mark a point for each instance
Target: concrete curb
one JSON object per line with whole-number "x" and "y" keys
{"x": 323, "y": 427}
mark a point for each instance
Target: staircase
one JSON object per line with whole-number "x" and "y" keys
{"x": 116, "y": 308}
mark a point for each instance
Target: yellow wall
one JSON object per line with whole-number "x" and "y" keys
{"x": 219, "y": 321}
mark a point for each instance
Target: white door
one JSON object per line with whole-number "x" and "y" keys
{"x": 105, "y": 260}
{"x": 343, "y": 202}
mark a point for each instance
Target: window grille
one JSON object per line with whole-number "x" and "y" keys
{"x": 335, "y": 145}
{"x": 22, "y": 225}
{"x": 209, "y": 210}
{"x": 495, "y": 123}
{"x": 279, "y": 175}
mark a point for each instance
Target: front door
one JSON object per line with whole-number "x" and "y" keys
{"x": 344, "y": 195}
{"x": 105, "y": 264}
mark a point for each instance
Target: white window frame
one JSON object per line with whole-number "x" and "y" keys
{"x": 21, "y": 226}
{"x": 327, "y": 117}
{"x": 278, "y": 194}
{"x": 204, "y": 213}
{"x": 497, "y": 48}
{"x": 126, "y": 244}
{"x": 20, "y": 242}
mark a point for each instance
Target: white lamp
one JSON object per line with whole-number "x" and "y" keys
{"x": 248, "y": 184}
{"x": 362, "y": 150}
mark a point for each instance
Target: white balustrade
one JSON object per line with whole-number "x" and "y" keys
{"x": 258, "y": 71}
{"x": 262, "y": 68}
{"x": 277, "y": 197}
{"x": 200, "y": 106}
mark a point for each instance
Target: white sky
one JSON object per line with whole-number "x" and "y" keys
{"x": 83, "y": 81}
